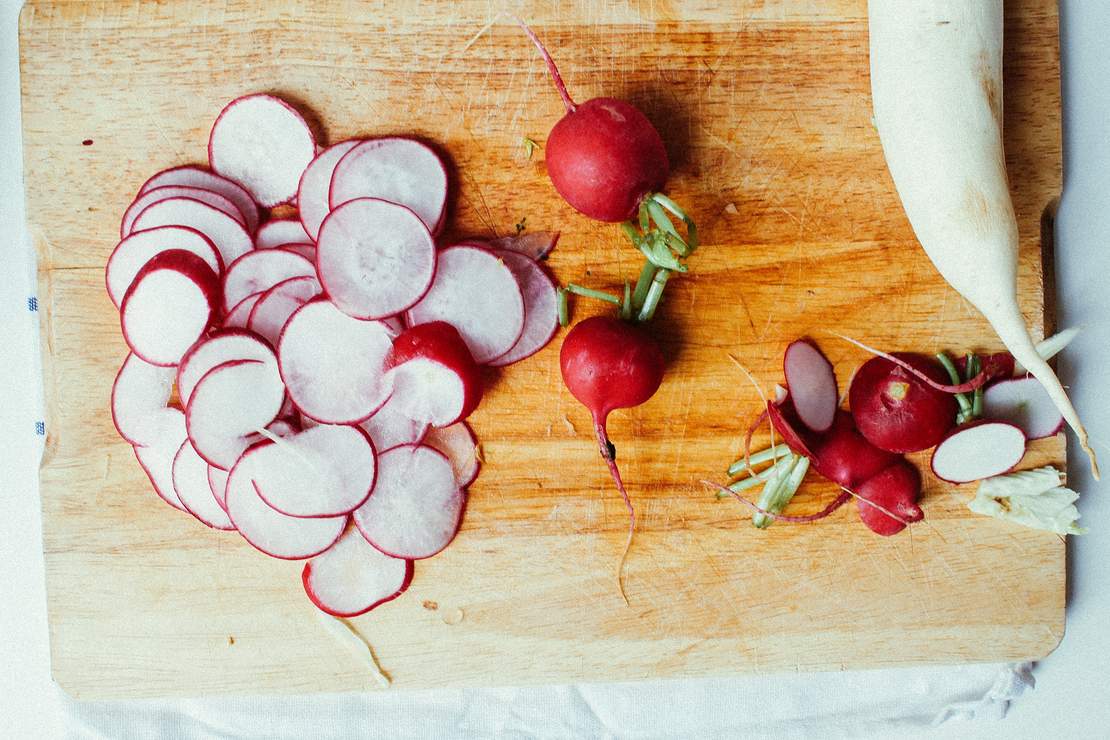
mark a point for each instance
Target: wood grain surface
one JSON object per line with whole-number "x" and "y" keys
{"x": 765, "y": 108}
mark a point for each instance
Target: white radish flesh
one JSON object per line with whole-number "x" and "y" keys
{"x": 239, "y": 316}
{"x": 390, "y": 426}
{"x": 177, "y": 191}
{"x": 274, "y": 308}
{"x": 260, "y": 270}
{"x": 135, "y": 250}
{"x": 190, "y": 481}
{"x": 474, "y": 291}
{"x": 402, "y": 171}
{"x": 140, "y": 396}
{"x": 332, "y": 364}
{"x": 375, "y": 258}
{"x": 230, "y": 402}
{"x": 279, "y": 232}
{"x": 156, "y": 458}
{"x": 313, "y": 203}
{"x": 416, "y": 507}
{"x": 943, "y": 145}
{"x": 351, "y": 577}
{"x": 217, "y": 477}
{"x": 980, "y": 451}
{"x": 224, "y": 346}
{"x": 812, "y": 385}
{"x": 1024, "y": 403}
{"x": 427, "y": 391}
{"x": 460, "y": 446}
{"x": 197, "y": 177}
{"x": 227, "y": 235}
{"x": 541, "y": 316}
{"x": 263, "y": 144}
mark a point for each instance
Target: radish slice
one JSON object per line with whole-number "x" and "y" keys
{"x": 778, "y": 414}
{"x": 308, "y": 251}
{"x": 176, "y": 191}
{"x": 535, "y": 245}
{"x": 460, "y": 446}
{"x": 375, "y": 258}
{"x": 134, "y": 251}
{"x": 541, "y": 316}
{"x": 351, "y": 577}
{"x": 325, "y": 471}
{"x": 224, "y": 346}
{"x": 979, "y": 451}
{"x": 239, "y": 316}
{"x": 1024, "y": 403}
{"x": 190, "y": 481}
{"x": 332, "y": 364}
{"x": 260, "y": 270}
{"x": 277, "y": 535}
{"x": 263, "y": 144}
{"x": 275, "y": 307}
{"x": 313, "y": 191}
{"x": 390, "y": 426}
{"x": 139, "y": 397}
{"x": 416, "y": 507}
{"x": 230, "y": 402}
{"x": 402, "y": 171}
{"x": 156, "y": 459}
{"x": 475, "y": 292}
{"x": 279, "y": 232}
{"x": 169, "y": 306}
{"x": 226, "y": 234}
{"x": 812, "y": 385}
{"x": 217, "y": 481}
{"x": 196, "y": 177}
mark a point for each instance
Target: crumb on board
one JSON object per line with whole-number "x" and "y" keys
{"x": 87, "y": 142}
{"x": 454, "y": 617}
{"x": 570, "y": 425}
{"x": 731, "y": 209}
{"x": 430, "y": 605}
{"x": 230, "y": 640}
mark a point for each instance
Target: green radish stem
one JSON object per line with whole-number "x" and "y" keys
{"x": 655, "y": 293}
{"x": 626, "y": 304}
{"x": 647, "y": 274}
{"x": 775, "y": 500}
{"x": 973, "y": 368}
{"x": 561, "y": 301}
{"x": 771, "y": 453}
{"x": 756, "y": 478}
{"x": 954, "y": 376}
{"x": 591, "y": 293}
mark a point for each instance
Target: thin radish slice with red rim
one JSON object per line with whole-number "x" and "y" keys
{"x": 535, "y": 245}
{"x": 197, "y": 177}
{"x": 226, "y": 234}
{"x": 275, "y": 307}
{"x": 313, "y": 192}
{"x": 277, "y": 535}
{"x": 239, "y": 316}
{"x": 223, "y": 346}
{"x": 260, "y": 270}
{"x": 433, "y": 375}
{"x": 332, "y": 364}
{"x": 402, "y": 171}
{"x": 541, "y": 312}
{"x": 156, "y": 458}
{"x": 134, "y": 251}
{"x": 460, "y": 446}
{"x": 474, "y": 291}
{"x": 374, "y": 258}
{"x": 263, "y": 144}
{"x": 416, "y": 507}
{"x": 168, "y": 307}
{"x": 230, "y": 402}
{"x": 812, "y": 384}
{"x": 139, "y": 397}
{"x": 351, "y": 577}
{"x": 979, "y": 451}
{"x": 279, "y": 232}
{"x": 176, "y": 191}
{"x": 1024, "y": 403}
{"x": 308, "y": 251}
{"x": 324, "y": 471}
{"x": 190, "y": 481}
{"x": 217, "y": 478}
{"x": 390, "y": 426}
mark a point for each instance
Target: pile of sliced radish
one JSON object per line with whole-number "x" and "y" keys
{"x": 324, "y": 361}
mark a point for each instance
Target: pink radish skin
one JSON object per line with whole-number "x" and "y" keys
{"x": 895, "y": 489}
{"x": 226, "y": 234}
{"x": 260, "y": 270}
{"x": 223, "y": 346}
{"x": 190, "y": 481}
{"x": 541, "y": 317}
{"x": 140, "y": 395}
{"x": 976, "y": 451}
{"x": 420, "y": 358}
{"x": 784, "y": 420}
{"x": 895, "y": 410}
{"x": 274, "y": 308}
{"x": 231, "y": 402}
{"x": 279, "y": 232}
{"x": 198, "y": 177}
{"x": 156, "y": 459}
{"x": 1024, "y": 403}
{"x": 352, "y": 577}
{"x": 535, "y": 245}
{"x": 313, "y": 192}
{"x": 239, "y": 316}
{"x": 845, "y": 457}
{"x": 812, "y": 384}
{"x": 135, "y": 250}
{"x": 177, "y": 191}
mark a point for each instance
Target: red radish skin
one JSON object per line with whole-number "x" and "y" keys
{"x": 896, "y": 490}
{"x": 440, "y": 343}
{"x": 812, "y": 384}
{"x": 239, "y": 316}
{"x": 222, "y": 346}
{"x": 177, "y": 191}
{"x": 979, "y": 450}
{"x": 135, "y": 250}
{"x": 895, "y": 410}
{"x": 198, "y": 177}
{"x": 843, "y": 455}
{"x": 226, "y": 234}
{"x": 259, "y": 270}
{"x": 784, "y": 420}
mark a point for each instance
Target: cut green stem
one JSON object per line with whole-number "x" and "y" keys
{"x": 973, "y": 368}
{"x": 591, "y": 293}
{"x": 775, "y": 502}
{"x": 773, "y": 452}
{"x": 647, "y": 274}
{"x": 655, "y": 292}
{"x": 564, "y": 314}
{"x": 626, "y": 304}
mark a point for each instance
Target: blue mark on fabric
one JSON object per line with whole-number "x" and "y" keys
{"x": 40, "y": 428}
{"x": 32, "y": 303}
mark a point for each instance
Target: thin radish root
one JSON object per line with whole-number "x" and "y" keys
{"x": 557, "y": 78}
{"x": 839, "y": 501}
{"x": 346, "y": 633}
{"x": 609, "y": 454}
{"x": 984, "y": 376}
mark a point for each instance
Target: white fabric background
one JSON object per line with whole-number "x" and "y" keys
{"x": 1070, "y": 698}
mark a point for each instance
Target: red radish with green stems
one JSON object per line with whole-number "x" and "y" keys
{"x": 897, "y": 411}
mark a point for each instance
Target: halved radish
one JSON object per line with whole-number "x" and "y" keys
{"x": 460, "y": 446}
{"x": 177, "y": 191}
{"x": 433, "y": 375}
{"x": 190, "y": 481}
{"x": 139, "y": 397}
{"x": 1024, "y": 403}
{"x": 239, "y": 316}
{"x": 168, "y": 307}
{"x": 535, "y": 244}
{"x": 277, "y": 535}
{"x": 417, "y": 505}
{"x": 156, "y": 458}
{"x": 390, "y": 426}
{"x": 260, "y": 270}
{"x": 227, "y": 235}
{"x": 895, "y": 490}
{"x": 812, "y": 385}
{"x": 400, "y": 170}
{"x": 222, "y": 346}
{"x": 263, "y": 144}
{"x": 324, "y": 471}
{"x": 332, "y": 364}
{"x": 375, "y": 258}
{"x": 232, "y": 401}
{"x": 275, "y": 307}
{"x": 198, "y": 177}
{"x": 134, "y": 251}
{"x": 217, "y": 477}
{"x": 978, "y": 451}
{"x": 279, "y": 232}
{"x": 474, "y": 291}
{"x": 351, "y": 577}
{"x": 541, "y": 315}
{"x": 314, "y": 189}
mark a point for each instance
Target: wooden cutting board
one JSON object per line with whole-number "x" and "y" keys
{"x": 765, "y": 108}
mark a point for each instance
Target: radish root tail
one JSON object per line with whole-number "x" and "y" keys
{"x": 556, "y": 78}
{"x": 839, "y": 501}
{"x": 608, "y": 453}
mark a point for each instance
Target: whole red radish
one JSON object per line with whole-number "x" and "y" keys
{"x": 897, "y": 411}
{"x": 894, "y": 490}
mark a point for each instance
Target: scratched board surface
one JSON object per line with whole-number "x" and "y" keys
{"x": 765, "y": 109}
